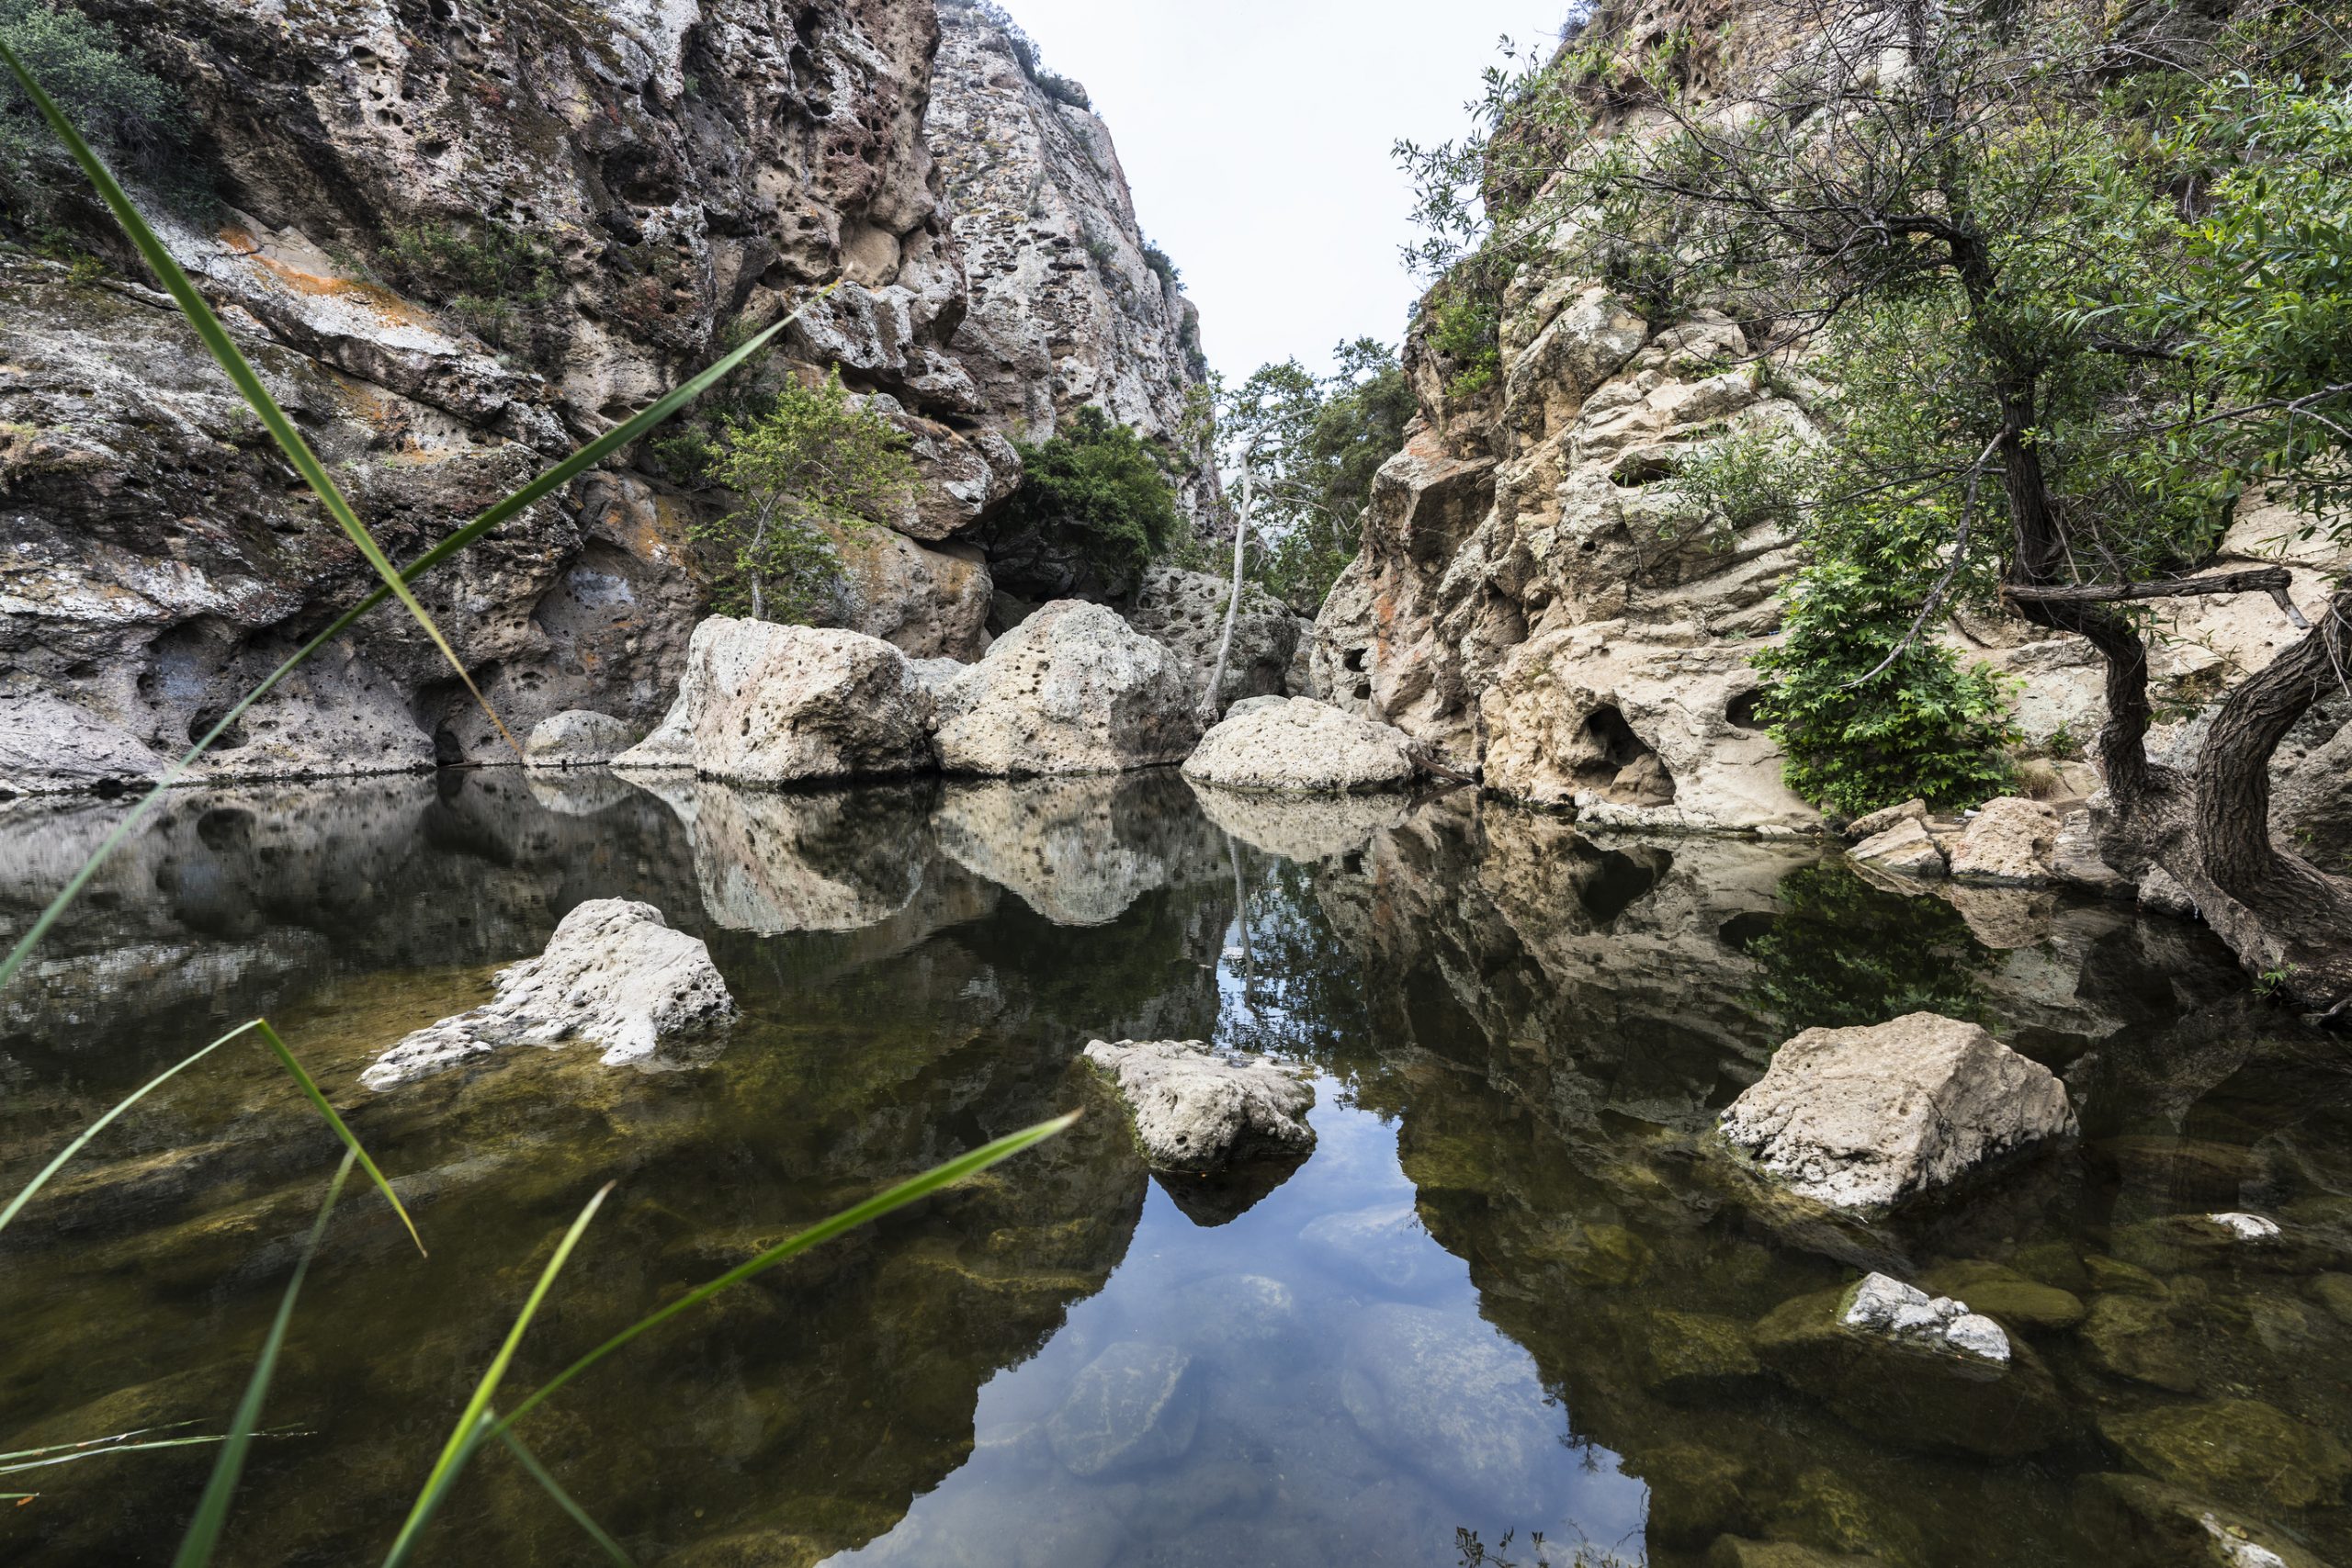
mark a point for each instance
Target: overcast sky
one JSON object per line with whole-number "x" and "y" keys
{"x": 1256, "y": 134}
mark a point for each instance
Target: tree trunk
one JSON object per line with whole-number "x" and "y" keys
{"x": 1210, "y": 707}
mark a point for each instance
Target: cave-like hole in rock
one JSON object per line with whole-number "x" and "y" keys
{"x": 1619, "y": 766}
{"x": 1741, "y": 710}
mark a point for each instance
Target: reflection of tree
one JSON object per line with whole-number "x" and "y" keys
{"x": 1841, "y": 953}
{"x": 1306, "y": 987}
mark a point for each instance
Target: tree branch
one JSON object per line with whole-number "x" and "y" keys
{"x": 2273, "y": 580}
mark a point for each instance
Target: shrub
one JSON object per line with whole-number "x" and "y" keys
{"x": 811, "y": 467}
{"x": 1464, "y": 325}
{"x": 131, "y": 117}
{"x": 1098, "y": 494}
{"x": 1157, "y": 260}
{"x": 495, "y": 282}
{"x": 1062, "y": 90}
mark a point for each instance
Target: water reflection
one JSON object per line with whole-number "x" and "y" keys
{"x": 1509, "y": 1292}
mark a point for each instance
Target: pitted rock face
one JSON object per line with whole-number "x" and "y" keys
{"x": 1300, "y": 745}
{"x": 1197, "y": 1109}
{"x": 1073, "y": 689}
{"x": 770, "y": 704}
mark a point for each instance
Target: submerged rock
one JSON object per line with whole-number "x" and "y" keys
{"x": 1688, "y": 1357}
{"x": 613, "y": 974}
{"x": 2007, "y": 1297}
{"x": 1195, "y": 1109}
{"x": 1733, "y": 1551}
{"x": 1903, "y": 1368}
{"x": 1301, "y": 745}
{"x": 1450, "y": 1395}
{"x": 1866, "y": 1117}
{"x": 1073, "y": 689}
{"x": 2239, "y": 1450}
{"x": 2135, "y": 1336}
{"x": 2146, "y": 1524}
{"x": 576, "y": 737}
{"x": 1127, "y": 1408}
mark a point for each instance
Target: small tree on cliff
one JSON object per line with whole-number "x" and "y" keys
{"x": 812, "y": 468}
{"x": 2109, "y": 324}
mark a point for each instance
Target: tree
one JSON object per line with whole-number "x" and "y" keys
{"x": 129, "y": 115}
{"x": 1094, "y": 508}
{"x": 1984, "y": 208}
{"x": 814, "y": 466}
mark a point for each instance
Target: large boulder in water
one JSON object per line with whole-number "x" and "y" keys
{"x": 1301, "y": 745}
{"x": 1913, "y": 1371}
{"x": 770, "y": 704}
{"x": 1073, "y": 689}
{"x": 1195, "y": 1109}
{"x": 613, "y": 974}
{"x": 1863, "y": 1118}
{"x": 576, "y": 737}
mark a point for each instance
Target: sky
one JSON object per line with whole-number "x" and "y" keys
{"x": 1255, "y": 136}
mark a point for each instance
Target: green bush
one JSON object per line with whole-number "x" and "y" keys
{"x": 1925, "y": 726}
{"x": 1096, "y": 493}
{"x": 495, "y": 282}
{"x": 1466, "y": 326}
{"x": 811, "y": 468}
{"x": 132, "y": 118}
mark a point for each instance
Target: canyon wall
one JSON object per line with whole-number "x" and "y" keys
{"x": 459, "y": 239}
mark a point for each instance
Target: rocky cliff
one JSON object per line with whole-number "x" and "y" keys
{"x": 459, "y": 240}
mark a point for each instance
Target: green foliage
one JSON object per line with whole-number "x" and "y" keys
{"x": 1098, "y": 493}
{"x": 811, "y": 467}
{"x": 1464, "y": 325}
{"x": 1316, "y": 444}
{"x": 131, "y": 117}
{"x": 1167, "y": 270}
{"x": 1818, "y": 971}
{"x": 495, "y": 282}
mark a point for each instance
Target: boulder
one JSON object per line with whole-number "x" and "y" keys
{"x": 1301, "y": 745}
{"x": 47, "y": 744}
{"x": 2146, "y": 1524}
{"x": 613, "y": 974}
{"x": 1185, "y": 611}
{"x": 1885, "y": 817}
{"x": 1905, "y": 848}
{"x": 1444, "y": 1393}
{"x": 928, "y": 601}
{"x": 2136, "y": 1337}
{"x": 2007, "y": 1297}
{"x": 1914, "y": 1370}
{"x": 2240, "y": 1450}
{"x": 1866, "y": 1117}
{"x": 1195, "y": 1109}
{"x": 772, "y": 705}
{"x": 1688, "y": 1358}
{"x": 2008, "y": 840}
{"x": 1073, "y": 689}
{"x": 1126, "y": 1409}
{"x": 577, "y": 738}
{"x": 1302, "y": 827}
{"x": 670, "y": 746}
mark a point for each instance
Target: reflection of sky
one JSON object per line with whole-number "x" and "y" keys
{"x": 1312, "y": 1439}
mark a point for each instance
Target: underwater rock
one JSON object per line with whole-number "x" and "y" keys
{"x": 2134, "y": 1336}
{"x": 1454, "y": 1398}
{"x": 1385, "y": 1246}
{"x": 1127, "y": 1408}
{"x": 2007, "y": 1297}
{"x": 2238, "y": 1449}
{"x": 576, "y": 737}
{"x": 1866, "y": 1117}
{"x": 1688, "y": 1357}
{"x": 613, "y": 974}
{"x": 2333, "y": 1291}
{"x": 1196, "y": 1109}
{"x": 2145, "y": 1524}
{"x": 1302, "y": 746}
{"x": 1889, "y": 1363}
{"x": 1073, "y": 689}
{"x": 1732, "y": 1551}
{"x": 1695, "y": 1495}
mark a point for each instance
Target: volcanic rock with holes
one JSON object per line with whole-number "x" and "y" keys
{"x": 575, "y": 739}
{"x": 1869, "y": 1117}
{"x": 1197, "y": 1109}
{"x": 1300, "y": 745}
{"x": 614, "y": 975}
{"x": 770, "y": 704}
{"x": 1186, "y": 611}
{"x": 456, "y": 243}
{"x": 1073, "y": 689}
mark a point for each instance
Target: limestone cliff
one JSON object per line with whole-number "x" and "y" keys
{"x": 459, "y": 239}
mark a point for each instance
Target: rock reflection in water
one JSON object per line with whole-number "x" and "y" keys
{"x": 1511, "y": 1291}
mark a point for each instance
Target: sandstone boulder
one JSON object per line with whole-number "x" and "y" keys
{"x": 1128, "y": 1408}
{"x": 613, "y": 974}
{"x": 2008, "y": 840}
{"x": 1185, "y": 611}
{"x": 1195, "y": 1109}
{"x": 670, "y": 746}
{"x": 1864, "y": 1118}
{"x": 772, "y": 705}
{"x": 577, "y": 738}
{"x": 1905, "y": 848}
{"x": 1886, "y": 818}
{"x": 1073, "y": 689}
{"x": 1301, "y": 745}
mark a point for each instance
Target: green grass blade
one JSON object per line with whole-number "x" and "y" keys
{"x": 242, "y": 373}
{"x": 554, "y": 1489}
{"x": 102, "y": 1124}
{"x": 309, "y": 1087}
{"x": 212, "y": 1508}
{"x": 473, "y": 1424}
{"x": 554, "y": 479}
{"x": 874, "y": 1207}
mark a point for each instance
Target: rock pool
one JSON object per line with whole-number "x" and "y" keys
{"x": 1513, "y": 1291}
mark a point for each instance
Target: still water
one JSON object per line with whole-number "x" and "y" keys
{"x": 1511, "y": 1294}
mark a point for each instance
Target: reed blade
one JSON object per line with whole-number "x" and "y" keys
{"x": 212, "y": 1508}
{"x": 874, "y": 1207}
{"x": 474, "y": 1424}
{"x": 240, "y": 373}
{"x": 309, "y": 1087}
{"x": 539, "y": 1472}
